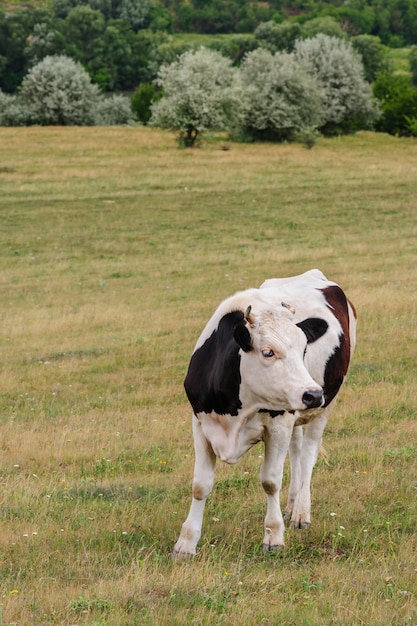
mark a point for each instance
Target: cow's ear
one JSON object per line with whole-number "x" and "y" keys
{"x": 242, "y": 337}
{"x": 313, "y": 328}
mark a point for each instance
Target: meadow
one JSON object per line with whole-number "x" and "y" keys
{"x": 115, "y": 248}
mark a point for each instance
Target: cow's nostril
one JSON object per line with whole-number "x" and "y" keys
{"x": 313, "y": 398}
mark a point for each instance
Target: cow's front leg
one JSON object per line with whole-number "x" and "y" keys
{"x": 277, "y": 438}
{"x": 205, "y": 461}
{"x": 299, "y": 503}
{"x": 295, "y": 449}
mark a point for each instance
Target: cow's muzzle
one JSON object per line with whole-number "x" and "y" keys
{"x": 313, "y": 398}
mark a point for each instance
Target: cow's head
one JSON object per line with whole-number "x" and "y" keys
{"x": 272, "y": 358}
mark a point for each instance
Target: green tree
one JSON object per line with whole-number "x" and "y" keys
{"x": 83, "y": 30}
{"x": 356, "y": 17}
{"x": 279, "y": 99}
{"x": 197, "y": 95}
{"x": 116, "y": 58}
{"x": 154, "y": 50}
{"x": 15, "y": 32}
{"x": 44, "y": 41}
{"x": 61, "y": 8}
{"x": 278, "y": 37}
{"x": 327, "y": 25}
{"x": 347, "y": 97}
{"x": 373, "y": 54}
{"x": 160, "y": 19}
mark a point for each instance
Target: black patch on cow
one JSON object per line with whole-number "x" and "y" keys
{"x": 338, "y": 363}
{"x": 271, "y": 413}
{"x": 274, "y": 413}
{"x": 313, "y": 328}
{"x": 213, "y": 378}
{"x": 242, "y": 336}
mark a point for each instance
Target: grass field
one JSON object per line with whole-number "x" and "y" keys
{"x": 115, "y": 248}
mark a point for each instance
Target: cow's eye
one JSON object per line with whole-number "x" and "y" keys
{"x": 268, "y": 353}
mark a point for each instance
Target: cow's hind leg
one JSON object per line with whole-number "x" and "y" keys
{"x": 304, "y": 451}
{"x": 277, "y": 440}
{"x": 205, "y": 461}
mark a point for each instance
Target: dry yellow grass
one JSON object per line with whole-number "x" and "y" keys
{"x": 115, "y": 247}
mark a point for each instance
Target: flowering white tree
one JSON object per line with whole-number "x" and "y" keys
{"x": 346, "y": 96}
{"x": 58, "y": 90}
{"x": 198, "y": 95}
{"x": 136, "y": 12}
{"x": 279, "y": 99}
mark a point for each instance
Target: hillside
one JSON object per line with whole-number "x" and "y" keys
{"x": 394, "y": 21}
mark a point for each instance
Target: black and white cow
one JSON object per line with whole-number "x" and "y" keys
{"x": 269, "y": 361}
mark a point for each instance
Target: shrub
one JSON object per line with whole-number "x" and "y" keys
{"x": 279, "y": 99}
{"x": 412, "y": 59}
{"x": 115, "y": 110}
{"x": 347, "y": 97}
{"x": 398, "y": 104}
{"x": 197, "y": 95}
{"x": 142, "y": 99}
{"x": 12, "y": 112}
{"x": 234, "y": 47}
{"x": 136, "y": 12}
{"x": 58, "y": 91}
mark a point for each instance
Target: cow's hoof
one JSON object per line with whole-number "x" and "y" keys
{"x": 299, "y": 525}
{"x": 182, "y": 556}
{"x": 267, "y": 547}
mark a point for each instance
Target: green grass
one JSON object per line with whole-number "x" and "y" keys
{"x": 115, "y": 247}
{"x": 399, "y": 58}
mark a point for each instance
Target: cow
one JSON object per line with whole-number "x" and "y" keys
{"x": 268, "y": 365}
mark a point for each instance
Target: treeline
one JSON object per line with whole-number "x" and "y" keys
{"x": 393, "y": 21}
{"x": 122, "y": 43}
{"x": 123, "y": 46}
